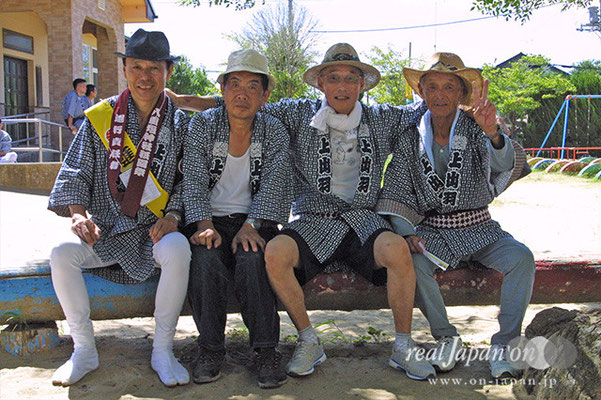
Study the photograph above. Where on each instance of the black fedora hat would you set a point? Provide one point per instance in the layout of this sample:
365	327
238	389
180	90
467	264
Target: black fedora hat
151	46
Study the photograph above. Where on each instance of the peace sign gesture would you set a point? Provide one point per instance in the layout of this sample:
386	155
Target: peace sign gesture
484	111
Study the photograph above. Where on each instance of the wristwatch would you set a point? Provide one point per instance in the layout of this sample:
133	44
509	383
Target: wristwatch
254	223
175	215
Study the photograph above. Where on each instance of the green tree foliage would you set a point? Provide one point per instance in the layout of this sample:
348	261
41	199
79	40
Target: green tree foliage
521	10
187	79
519	90
284	35
237	4
390	63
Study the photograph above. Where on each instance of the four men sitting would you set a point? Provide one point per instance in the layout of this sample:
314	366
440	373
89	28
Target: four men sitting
246	165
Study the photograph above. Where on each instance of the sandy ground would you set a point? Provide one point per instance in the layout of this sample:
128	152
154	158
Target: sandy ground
555	215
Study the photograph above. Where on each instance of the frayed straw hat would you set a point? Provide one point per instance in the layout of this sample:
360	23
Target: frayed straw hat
447	63
343	54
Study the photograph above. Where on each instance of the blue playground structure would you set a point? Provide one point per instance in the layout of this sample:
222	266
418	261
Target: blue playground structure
566	106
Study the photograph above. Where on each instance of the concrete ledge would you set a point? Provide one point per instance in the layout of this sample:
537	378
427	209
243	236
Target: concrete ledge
36	178
28	290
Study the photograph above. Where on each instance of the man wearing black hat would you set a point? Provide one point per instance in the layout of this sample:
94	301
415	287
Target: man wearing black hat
122	169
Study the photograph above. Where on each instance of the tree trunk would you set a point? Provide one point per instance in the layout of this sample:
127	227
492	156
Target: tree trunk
582	378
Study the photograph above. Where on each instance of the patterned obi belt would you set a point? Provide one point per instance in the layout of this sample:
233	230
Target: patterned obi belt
457	220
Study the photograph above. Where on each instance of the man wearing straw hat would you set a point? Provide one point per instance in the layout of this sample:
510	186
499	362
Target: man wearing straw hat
445	171
236	190
121	186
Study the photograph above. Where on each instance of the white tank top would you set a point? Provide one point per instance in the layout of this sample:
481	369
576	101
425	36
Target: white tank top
231	194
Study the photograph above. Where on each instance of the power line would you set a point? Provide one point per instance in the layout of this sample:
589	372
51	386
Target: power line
406	27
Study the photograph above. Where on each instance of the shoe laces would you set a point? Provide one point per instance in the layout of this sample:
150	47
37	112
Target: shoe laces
208	356
302	348
269	358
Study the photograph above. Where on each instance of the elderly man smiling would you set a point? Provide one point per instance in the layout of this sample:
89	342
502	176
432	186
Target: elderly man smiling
122	168
445	171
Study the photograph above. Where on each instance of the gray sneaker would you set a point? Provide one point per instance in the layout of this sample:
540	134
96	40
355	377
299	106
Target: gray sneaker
413	362
500	368
306	356
448	349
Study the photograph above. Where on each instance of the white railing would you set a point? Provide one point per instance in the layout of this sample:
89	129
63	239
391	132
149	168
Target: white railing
39	124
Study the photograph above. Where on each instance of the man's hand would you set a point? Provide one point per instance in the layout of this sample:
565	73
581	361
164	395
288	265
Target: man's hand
485	112
414	244
85	228
206	235
249	238
162	227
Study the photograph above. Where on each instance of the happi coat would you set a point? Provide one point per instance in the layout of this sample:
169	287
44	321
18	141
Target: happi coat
323	219
413	190
205	155
83	180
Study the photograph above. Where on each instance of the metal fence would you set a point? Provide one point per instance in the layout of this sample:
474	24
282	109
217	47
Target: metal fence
43	137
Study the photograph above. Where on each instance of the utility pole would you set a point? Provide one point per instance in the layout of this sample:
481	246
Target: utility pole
594	24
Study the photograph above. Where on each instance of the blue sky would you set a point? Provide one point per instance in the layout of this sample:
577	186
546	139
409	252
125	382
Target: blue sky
199	32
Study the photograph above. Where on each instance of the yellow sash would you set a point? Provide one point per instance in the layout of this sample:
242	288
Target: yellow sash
100	116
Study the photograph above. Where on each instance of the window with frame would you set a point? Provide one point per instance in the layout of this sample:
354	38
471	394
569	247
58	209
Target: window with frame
17	41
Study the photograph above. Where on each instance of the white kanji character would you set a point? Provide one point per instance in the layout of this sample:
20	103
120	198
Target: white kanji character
152	129
114	164
116	142
139	171
154	120
146	146
119	118
144	155
117	130
116	154
142	163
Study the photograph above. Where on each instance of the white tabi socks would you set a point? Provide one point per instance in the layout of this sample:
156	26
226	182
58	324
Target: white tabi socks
173	254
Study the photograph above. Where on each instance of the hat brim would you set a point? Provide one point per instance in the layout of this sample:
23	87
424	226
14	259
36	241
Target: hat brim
371	76
270	78
470	76
140	57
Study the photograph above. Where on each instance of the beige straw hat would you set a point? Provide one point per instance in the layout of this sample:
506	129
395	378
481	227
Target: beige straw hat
248	60
343	54
448	63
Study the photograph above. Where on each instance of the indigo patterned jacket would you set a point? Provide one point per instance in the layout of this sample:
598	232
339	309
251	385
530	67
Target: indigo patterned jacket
83	180
205	155
412	189
323	219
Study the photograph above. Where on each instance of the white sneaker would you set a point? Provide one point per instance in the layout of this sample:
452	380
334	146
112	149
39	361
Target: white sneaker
306	356
415	366
448	350
500	368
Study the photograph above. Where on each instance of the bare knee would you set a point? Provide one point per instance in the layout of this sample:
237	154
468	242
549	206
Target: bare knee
281	254
391	251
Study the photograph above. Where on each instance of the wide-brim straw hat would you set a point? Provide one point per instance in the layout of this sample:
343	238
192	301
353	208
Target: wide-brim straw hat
449	63
248	60
150	46
343	54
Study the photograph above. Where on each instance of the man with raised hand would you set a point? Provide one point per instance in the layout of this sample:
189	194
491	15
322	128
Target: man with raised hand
236	191
445	171
121	186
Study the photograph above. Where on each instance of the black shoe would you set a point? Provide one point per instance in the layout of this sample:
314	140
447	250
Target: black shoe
271	373
207	366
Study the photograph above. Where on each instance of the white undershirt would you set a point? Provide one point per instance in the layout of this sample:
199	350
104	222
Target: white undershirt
346	158
231	194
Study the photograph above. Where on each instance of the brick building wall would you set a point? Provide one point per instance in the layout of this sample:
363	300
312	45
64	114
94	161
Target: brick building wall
65	20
